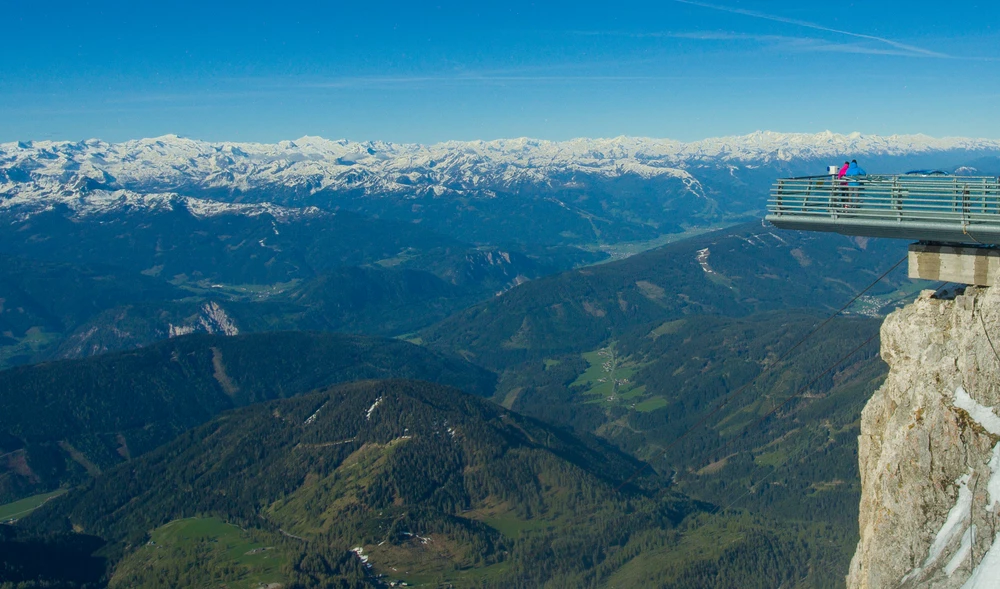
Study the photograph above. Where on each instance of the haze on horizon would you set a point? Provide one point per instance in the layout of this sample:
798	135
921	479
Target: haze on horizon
683	69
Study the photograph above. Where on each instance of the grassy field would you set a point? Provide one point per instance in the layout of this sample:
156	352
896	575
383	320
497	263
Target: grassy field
610	378
207	552
651	404
23	507
34	340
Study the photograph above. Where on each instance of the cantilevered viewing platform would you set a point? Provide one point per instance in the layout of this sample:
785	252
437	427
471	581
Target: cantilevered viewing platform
946	209
956	218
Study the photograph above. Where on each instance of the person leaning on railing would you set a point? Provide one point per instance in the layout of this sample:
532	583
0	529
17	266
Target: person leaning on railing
854	189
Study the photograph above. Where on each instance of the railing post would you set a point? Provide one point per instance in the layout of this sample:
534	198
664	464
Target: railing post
781	187
965	205
896	199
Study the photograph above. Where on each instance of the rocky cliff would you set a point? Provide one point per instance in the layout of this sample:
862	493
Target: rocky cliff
929	452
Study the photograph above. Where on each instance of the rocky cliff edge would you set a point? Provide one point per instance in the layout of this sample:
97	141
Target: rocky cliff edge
929	452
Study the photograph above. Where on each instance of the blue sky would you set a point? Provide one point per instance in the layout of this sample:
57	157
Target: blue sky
426	72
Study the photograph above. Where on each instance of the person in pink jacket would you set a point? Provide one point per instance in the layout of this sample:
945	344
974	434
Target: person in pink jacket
840	191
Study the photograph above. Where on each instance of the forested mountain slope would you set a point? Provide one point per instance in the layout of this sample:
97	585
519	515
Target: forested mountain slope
64	421
367	300
131	275
738	416
730	272
39	299
640	351
431	486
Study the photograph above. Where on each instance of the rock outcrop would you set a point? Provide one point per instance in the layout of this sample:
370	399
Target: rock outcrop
929	451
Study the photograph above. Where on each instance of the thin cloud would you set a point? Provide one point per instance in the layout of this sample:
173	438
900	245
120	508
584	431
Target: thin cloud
782	42
909	50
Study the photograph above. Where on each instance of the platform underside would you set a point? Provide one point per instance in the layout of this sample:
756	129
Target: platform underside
943	232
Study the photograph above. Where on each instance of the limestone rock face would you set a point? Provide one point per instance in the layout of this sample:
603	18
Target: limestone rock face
929	452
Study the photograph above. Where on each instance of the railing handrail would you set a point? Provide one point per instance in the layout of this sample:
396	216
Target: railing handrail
914	177
933	207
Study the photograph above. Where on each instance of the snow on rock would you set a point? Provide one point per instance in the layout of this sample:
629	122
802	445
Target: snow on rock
955	524
993	486
929	449
963	553
987	574
981	414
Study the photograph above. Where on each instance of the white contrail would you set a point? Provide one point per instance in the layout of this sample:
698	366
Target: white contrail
807	24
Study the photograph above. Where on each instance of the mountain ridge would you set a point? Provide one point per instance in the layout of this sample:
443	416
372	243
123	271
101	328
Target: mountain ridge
313	164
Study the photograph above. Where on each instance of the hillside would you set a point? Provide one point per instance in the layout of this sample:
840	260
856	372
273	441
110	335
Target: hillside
731	272
129	276
367	300
41	300
72	419
429	486
190	242
640	350
797	464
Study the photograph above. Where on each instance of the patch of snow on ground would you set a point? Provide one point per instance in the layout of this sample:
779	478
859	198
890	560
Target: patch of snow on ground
360	551
982	414
702	258
368	414
418	537
315	414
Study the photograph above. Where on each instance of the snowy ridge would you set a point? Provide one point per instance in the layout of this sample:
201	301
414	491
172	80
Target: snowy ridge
34	198
151	173
312	164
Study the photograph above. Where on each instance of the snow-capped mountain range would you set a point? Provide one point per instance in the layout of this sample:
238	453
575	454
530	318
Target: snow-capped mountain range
94	175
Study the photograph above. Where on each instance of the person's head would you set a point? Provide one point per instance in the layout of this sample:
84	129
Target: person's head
855	162
847	163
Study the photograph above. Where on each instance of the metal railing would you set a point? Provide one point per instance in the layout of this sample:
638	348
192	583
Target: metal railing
962	209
